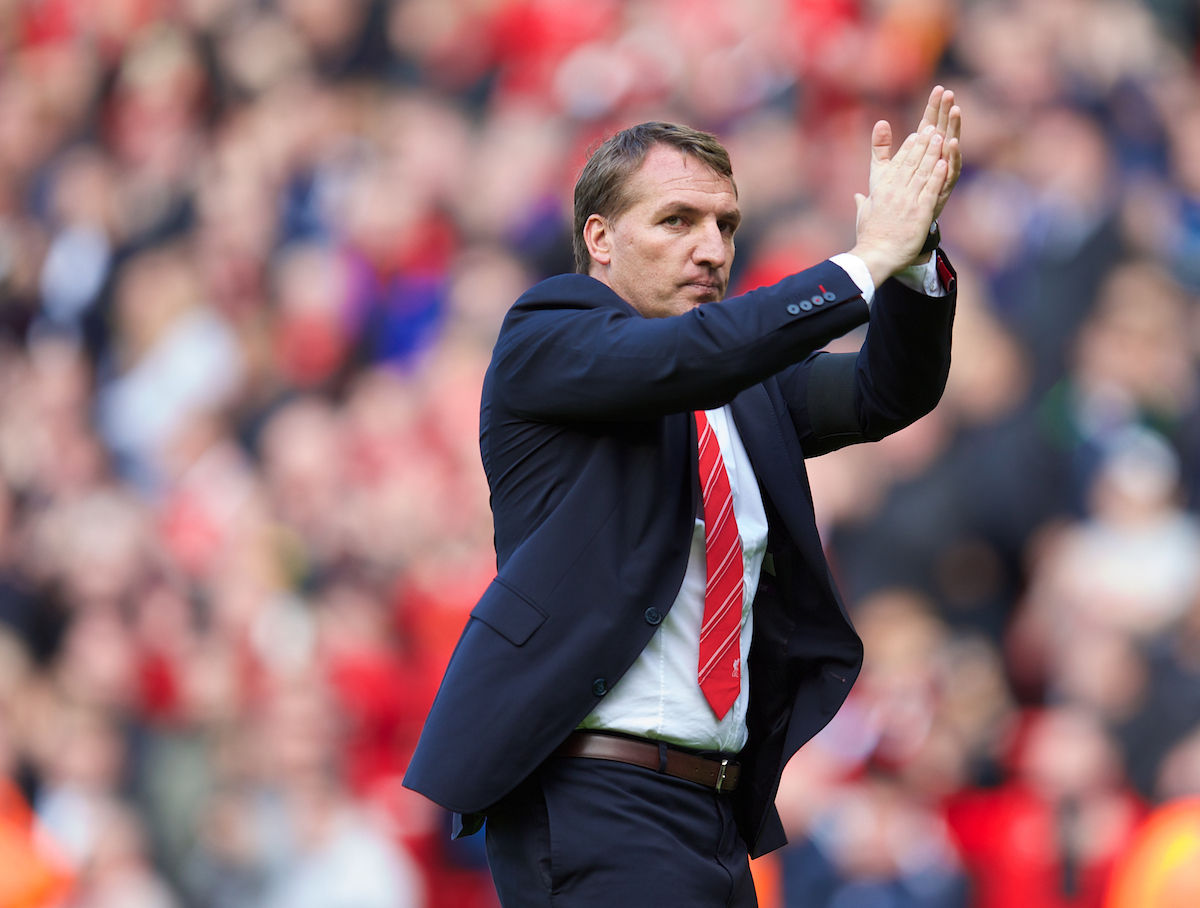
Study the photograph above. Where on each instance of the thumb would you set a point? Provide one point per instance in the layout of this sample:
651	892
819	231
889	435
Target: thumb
859	201
881	142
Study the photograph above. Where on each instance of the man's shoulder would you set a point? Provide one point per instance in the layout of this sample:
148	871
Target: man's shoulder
571	291
549	308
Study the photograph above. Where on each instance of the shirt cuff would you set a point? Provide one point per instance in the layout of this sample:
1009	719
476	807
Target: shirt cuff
922	278
858	272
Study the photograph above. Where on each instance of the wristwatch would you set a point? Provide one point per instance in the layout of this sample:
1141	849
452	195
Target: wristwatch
933	240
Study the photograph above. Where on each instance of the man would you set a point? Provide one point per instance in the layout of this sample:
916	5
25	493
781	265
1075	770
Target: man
663	633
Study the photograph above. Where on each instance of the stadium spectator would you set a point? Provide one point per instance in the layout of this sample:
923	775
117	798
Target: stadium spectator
253	256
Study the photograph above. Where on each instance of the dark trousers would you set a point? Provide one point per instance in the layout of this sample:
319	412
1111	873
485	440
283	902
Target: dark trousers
583	833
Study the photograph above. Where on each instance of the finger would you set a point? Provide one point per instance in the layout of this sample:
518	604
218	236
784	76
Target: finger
953	156
931	109
881	142
943	117
906	148
927	199
918	148
932	156
954	123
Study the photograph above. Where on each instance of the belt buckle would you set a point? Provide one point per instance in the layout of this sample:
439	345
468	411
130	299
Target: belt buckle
721	774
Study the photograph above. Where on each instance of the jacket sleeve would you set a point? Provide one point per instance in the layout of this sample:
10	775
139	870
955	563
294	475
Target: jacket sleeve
563	356
899	374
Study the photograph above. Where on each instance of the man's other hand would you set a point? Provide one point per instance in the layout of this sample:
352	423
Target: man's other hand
944	115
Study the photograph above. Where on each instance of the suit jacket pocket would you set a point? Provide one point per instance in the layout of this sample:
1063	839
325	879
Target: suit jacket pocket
508	612
834	689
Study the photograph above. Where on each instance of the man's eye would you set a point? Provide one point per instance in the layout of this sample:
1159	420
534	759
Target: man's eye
673	221
728	228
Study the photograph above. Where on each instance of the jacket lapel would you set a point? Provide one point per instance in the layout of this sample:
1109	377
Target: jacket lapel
778	463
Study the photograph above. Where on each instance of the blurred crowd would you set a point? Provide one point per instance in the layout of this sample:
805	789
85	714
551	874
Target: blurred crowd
253	256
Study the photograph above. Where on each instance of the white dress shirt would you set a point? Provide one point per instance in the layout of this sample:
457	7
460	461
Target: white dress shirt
660	697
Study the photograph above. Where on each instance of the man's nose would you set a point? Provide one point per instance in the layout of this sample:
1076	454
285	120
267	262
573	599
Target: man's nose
711	248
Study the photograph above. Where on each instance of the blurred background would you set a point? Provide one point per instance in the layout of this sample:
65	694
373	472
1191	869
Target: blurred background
253	257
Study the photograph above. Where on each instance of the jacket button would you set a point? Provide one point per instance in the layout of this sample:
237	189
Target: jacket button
653	616
599	687
805	305
793	309
830	295
818	300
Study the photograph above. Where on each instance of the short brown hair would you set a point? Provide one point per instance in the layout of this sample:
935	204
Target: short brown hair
601	187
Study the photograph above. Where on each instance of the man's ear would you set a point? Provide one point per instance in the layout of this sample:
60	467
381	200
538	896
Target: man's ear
598	236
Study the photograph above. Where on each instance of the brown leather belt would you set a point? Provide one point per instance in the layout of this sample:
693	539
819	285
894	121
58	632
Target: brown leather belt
721	775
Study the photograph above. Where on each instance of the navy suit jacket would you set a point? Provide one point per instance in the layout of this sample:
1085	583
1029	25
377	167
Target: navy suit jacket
589	443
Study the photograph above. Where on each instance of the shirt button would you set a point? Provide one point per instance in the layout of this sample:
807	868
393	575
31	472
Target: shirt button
599	687
805	305
793	309
653	616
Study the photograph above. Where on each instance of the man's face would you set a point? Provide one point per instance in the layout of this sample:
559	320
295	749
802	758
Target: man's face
672	248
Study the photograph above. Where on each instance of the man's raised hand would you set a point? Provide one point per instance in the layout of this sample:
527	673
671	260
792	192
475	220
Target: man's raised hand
894	219
909	189
941	113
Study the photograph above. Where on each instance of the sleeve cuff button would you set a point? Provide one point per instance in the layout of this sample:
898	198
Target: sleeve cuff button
793	309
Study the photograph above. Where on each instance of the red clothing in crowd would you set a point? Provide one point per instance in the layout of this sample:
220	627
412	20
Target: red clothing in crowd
1024	851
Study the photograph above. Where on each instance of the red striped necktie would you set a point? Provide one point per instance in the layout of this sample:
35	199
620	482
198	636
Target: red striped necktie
720	668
